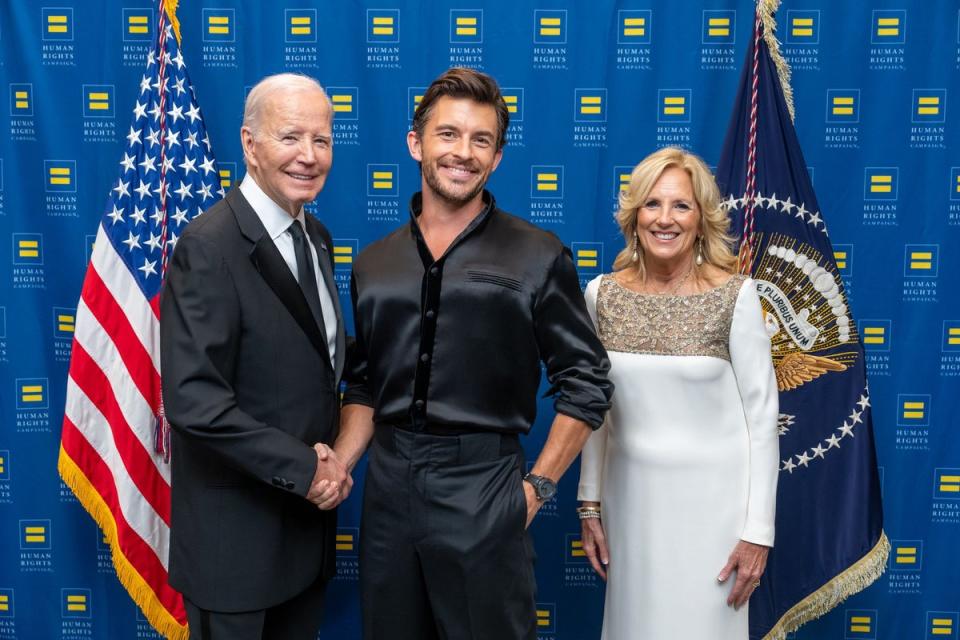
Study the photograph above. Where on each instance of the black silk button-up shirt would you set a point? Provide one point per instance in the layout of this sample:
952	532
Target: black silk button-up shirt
457	342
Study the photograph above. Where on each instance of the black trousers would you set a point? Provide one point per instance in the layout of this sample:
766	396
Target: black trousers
296	619
444	551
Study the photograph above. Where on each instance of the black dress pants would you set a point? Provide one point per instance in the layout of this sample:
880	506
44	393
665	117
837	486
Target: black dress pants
444	551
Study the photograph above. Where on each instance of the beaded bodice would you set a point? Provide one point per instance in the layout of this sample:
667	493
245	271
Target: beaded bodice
691	325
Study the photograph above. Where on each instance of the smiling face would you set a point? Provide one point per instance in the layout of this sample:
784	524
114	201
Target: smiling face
457	151
290	153
668	221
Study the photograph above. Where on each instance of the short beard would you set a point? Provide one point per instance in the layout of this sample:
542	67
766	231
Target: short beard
430	175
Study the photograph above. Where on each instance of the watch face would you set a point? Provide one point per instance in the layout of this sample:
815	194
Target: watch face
548	489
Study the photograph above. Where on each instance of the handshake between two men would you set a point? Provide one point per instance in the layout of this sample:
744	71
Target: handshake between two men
331	482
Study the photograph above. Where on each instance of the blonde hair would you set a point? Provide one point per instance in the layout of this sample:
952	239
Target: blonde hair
714	223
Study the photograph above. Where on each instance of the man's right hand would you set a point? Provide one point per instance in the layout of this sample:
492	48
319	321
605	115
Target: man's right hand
331	481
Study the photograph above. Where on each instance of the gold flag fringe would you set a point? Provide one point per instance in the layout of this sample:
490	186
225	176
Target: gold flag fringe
170	7
767	9
130	578
851	581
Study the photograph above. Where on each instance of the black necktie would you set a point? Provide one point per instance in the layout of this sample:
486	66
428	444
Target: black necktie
306	274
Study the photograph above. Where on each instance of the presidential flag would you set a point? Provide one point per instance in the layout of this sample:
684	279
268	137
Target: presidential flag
113	450
830	542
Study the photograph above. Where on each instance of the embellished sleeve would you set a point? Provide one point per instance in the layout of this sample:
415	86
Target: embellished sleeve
753	368
594	451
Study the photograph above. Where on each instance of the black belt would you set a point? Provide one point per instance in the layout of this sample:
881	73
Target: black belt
471	443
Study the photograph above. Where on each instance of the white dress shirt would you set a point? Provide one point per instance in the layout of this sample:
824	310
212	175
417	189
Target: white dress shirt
277	222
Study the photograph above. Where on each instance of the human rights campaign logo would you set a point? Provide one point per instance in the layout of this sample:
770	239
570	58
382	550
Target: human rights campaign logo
634	26
32	393
76	603
550	27
913	410
843	257
98	100
860	624
588	257
414	97
888	26
942	625
546	181
60	176
906	555
383	26
137	25
955	183
28	249
347	543
546	615
382	180
803	27
951	335
57	23
300	26
843	106
513	97
6	603
4	465
64	323
674	105
719	27
876	334
946	484
921	260
345	251
346	102
466	26
575	553
219	25
621	180
21	99
881	183
590	105
228	174
35	535
929	106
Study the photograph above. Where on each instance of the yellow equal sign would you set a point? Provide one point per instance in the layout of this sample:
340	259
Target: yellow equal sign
841	258
860	624
550	26
98	100
383	179
21	99
56	24
914	410
624	182
949	484
842	105
344	542
874	335
587	257
226	178
4	602
591	105
60	175
802	27
416	101
137	24
383	25
888	26
343	255
906	555
548	181
881	184
218	25
928	105
301	25
941	626
543	618
718	27
957	186
576	549
512	102
66	322
342	102
674	105
28	248
76	602
3	465
953	335
922	260
466	26
35	534
636	27
31	393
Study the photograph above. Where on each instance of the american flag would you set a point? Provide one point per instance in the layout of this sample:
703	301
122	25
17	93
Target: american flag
113	451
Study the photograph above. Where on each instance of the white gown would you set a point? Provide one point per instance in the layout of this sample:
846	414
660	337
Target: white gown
686	463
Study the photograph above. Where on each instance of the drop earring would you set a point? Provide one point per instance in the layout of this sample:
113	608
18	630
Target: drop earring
699	257
636	255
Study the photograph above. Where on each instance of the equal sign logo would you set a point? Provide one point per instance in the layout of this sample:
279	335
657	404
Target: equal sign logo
674	105
546	182
951	335
32	394
382	180
861	624
921	260
21	99
346	102
57	23
98	100
843	106
621	180
4	465
228	174
843	255
804	27
719	27
946	484
35	535
590	105
346	543
344	252
414	98
383	25
28	249
550	27
513	97
588	257
300	26
466	26
76	603
546	617
6	603
914	410
876	334
889	27
137	25
634	27
907	555
881	183
929	106
955	183
219	25
942	625
64	323
60	175
575	552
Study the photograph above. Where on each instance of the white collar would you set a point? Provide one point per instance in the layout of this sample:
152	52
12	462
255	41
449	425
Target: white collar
274	219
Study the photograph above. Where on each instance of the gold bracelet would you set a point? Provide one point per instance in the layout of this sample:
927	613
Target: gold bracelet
588	509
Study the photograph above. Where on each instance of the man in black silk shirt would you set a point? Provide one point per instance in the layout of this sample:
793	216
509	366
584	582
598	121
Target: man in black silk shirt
454	313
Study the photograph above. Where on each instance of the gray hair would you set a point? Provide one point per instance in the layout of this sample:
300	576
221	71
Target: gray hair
253	107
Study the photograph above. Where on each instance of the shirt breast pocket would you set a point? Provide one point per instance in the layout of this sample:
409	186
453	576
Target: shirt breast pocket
494	278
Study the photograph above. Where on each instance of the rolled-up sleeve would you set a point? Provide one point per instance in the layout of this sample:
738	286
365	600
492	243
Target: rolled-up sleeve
576	362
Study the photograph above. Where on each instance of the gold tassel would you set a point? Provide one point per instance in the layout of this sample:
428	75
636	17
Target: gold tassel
170	7
767	9
130	578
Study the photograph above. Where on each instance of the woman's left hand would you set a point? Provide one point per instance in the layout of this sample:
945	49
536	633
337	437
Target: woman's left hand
748	560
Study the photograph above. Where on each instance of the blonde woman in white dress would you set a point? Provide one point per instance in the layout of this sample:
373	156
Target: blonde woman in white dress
678	487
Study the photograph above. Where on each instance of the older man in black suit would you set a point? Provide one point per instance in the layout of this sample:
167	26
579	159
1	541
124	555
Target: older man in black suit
252	351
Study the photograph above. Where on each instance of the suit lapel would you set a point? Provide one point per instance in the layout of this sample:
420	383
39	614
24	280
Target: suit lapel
323	257
270	265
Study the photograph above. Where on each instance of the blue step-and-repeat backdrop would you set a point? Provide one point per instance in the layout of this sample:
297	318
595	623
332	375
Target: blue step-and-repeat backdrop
592	88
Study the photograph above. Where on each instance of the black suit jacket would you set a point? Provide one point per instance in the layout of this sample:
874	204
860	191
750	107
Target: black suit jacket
248	388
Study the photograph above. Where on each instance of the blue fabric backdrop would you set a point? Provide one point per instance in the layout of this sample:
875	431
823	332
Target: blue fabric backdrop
872	83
